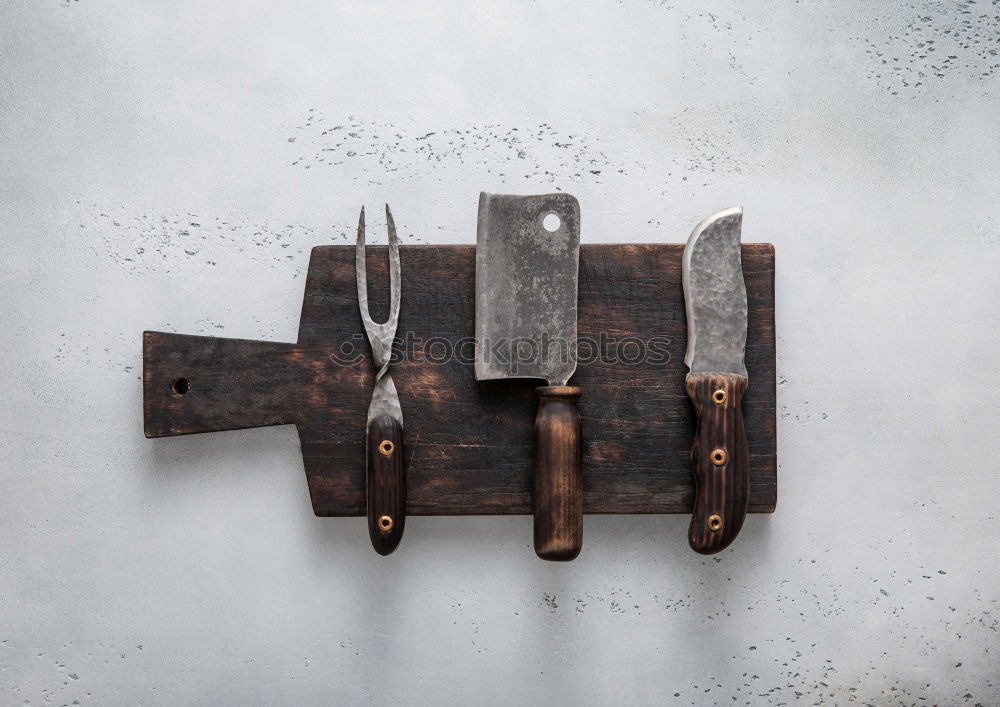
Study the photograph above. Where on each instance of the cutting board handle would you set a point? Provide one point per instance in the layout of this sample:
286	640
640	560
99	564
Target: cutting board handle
558	478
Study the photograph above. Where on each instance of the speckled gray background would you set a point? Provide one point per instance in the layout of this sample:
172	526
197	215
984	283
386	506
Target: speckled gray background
169	165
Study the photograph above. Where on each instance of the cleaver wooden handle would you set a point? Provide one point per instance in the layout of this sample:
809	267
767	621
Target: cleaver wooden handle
386	484
558	478
720	460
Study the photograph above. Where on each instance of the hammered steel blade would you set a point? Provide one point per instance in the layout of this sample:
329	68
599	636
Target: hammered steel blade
526	287
715	295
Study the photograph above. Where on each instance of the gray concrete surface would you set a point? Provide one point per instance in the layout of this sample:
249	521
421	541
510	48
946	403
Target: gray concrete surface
169	165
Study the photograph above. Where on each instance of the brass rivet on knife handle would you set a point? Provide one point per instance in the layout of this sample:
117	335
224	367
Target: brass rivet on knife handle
718	457
715	522
558	497
386	448
385	524
719	396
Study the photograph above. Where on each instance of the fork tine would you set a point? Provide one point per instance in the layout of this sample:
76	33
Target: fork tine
394	274
391	225
359	270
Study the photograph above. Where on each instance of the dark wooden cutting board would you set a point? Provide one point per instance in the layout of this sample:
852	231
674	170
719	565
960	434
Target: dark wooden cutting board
469	445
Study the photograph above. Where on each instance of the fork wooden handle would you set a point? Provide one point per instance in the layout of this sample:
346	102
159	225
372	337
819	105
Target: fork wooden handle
558	479
386	484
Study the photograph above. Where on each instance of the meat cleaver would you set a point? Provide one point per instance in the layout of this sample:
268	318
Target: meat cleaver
715	298
527	263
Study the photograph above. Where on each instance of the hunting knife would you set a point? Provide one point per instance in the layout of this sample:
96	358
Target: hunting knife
715	299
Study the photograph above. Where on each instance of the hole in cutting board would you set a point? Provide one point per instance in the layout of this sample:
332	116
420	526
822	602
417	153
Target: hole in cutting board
179	386
551	223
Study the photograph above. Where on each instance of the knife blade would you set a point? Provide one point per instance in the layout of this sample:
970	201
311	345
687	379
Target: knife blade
716	303
527	265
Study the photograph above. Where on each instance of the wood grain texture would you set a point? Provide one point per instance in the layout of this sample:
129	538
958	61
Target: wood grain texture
719	459
470	444
386	484
558	494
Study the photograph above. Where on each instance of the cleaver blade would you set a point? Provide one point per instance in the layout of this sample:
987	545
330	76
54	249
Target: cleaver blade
526	286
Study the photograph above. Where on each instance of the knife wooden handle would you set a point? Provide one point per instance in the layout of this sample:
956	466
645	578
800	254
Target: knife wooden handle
558	478
720	460
386	484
